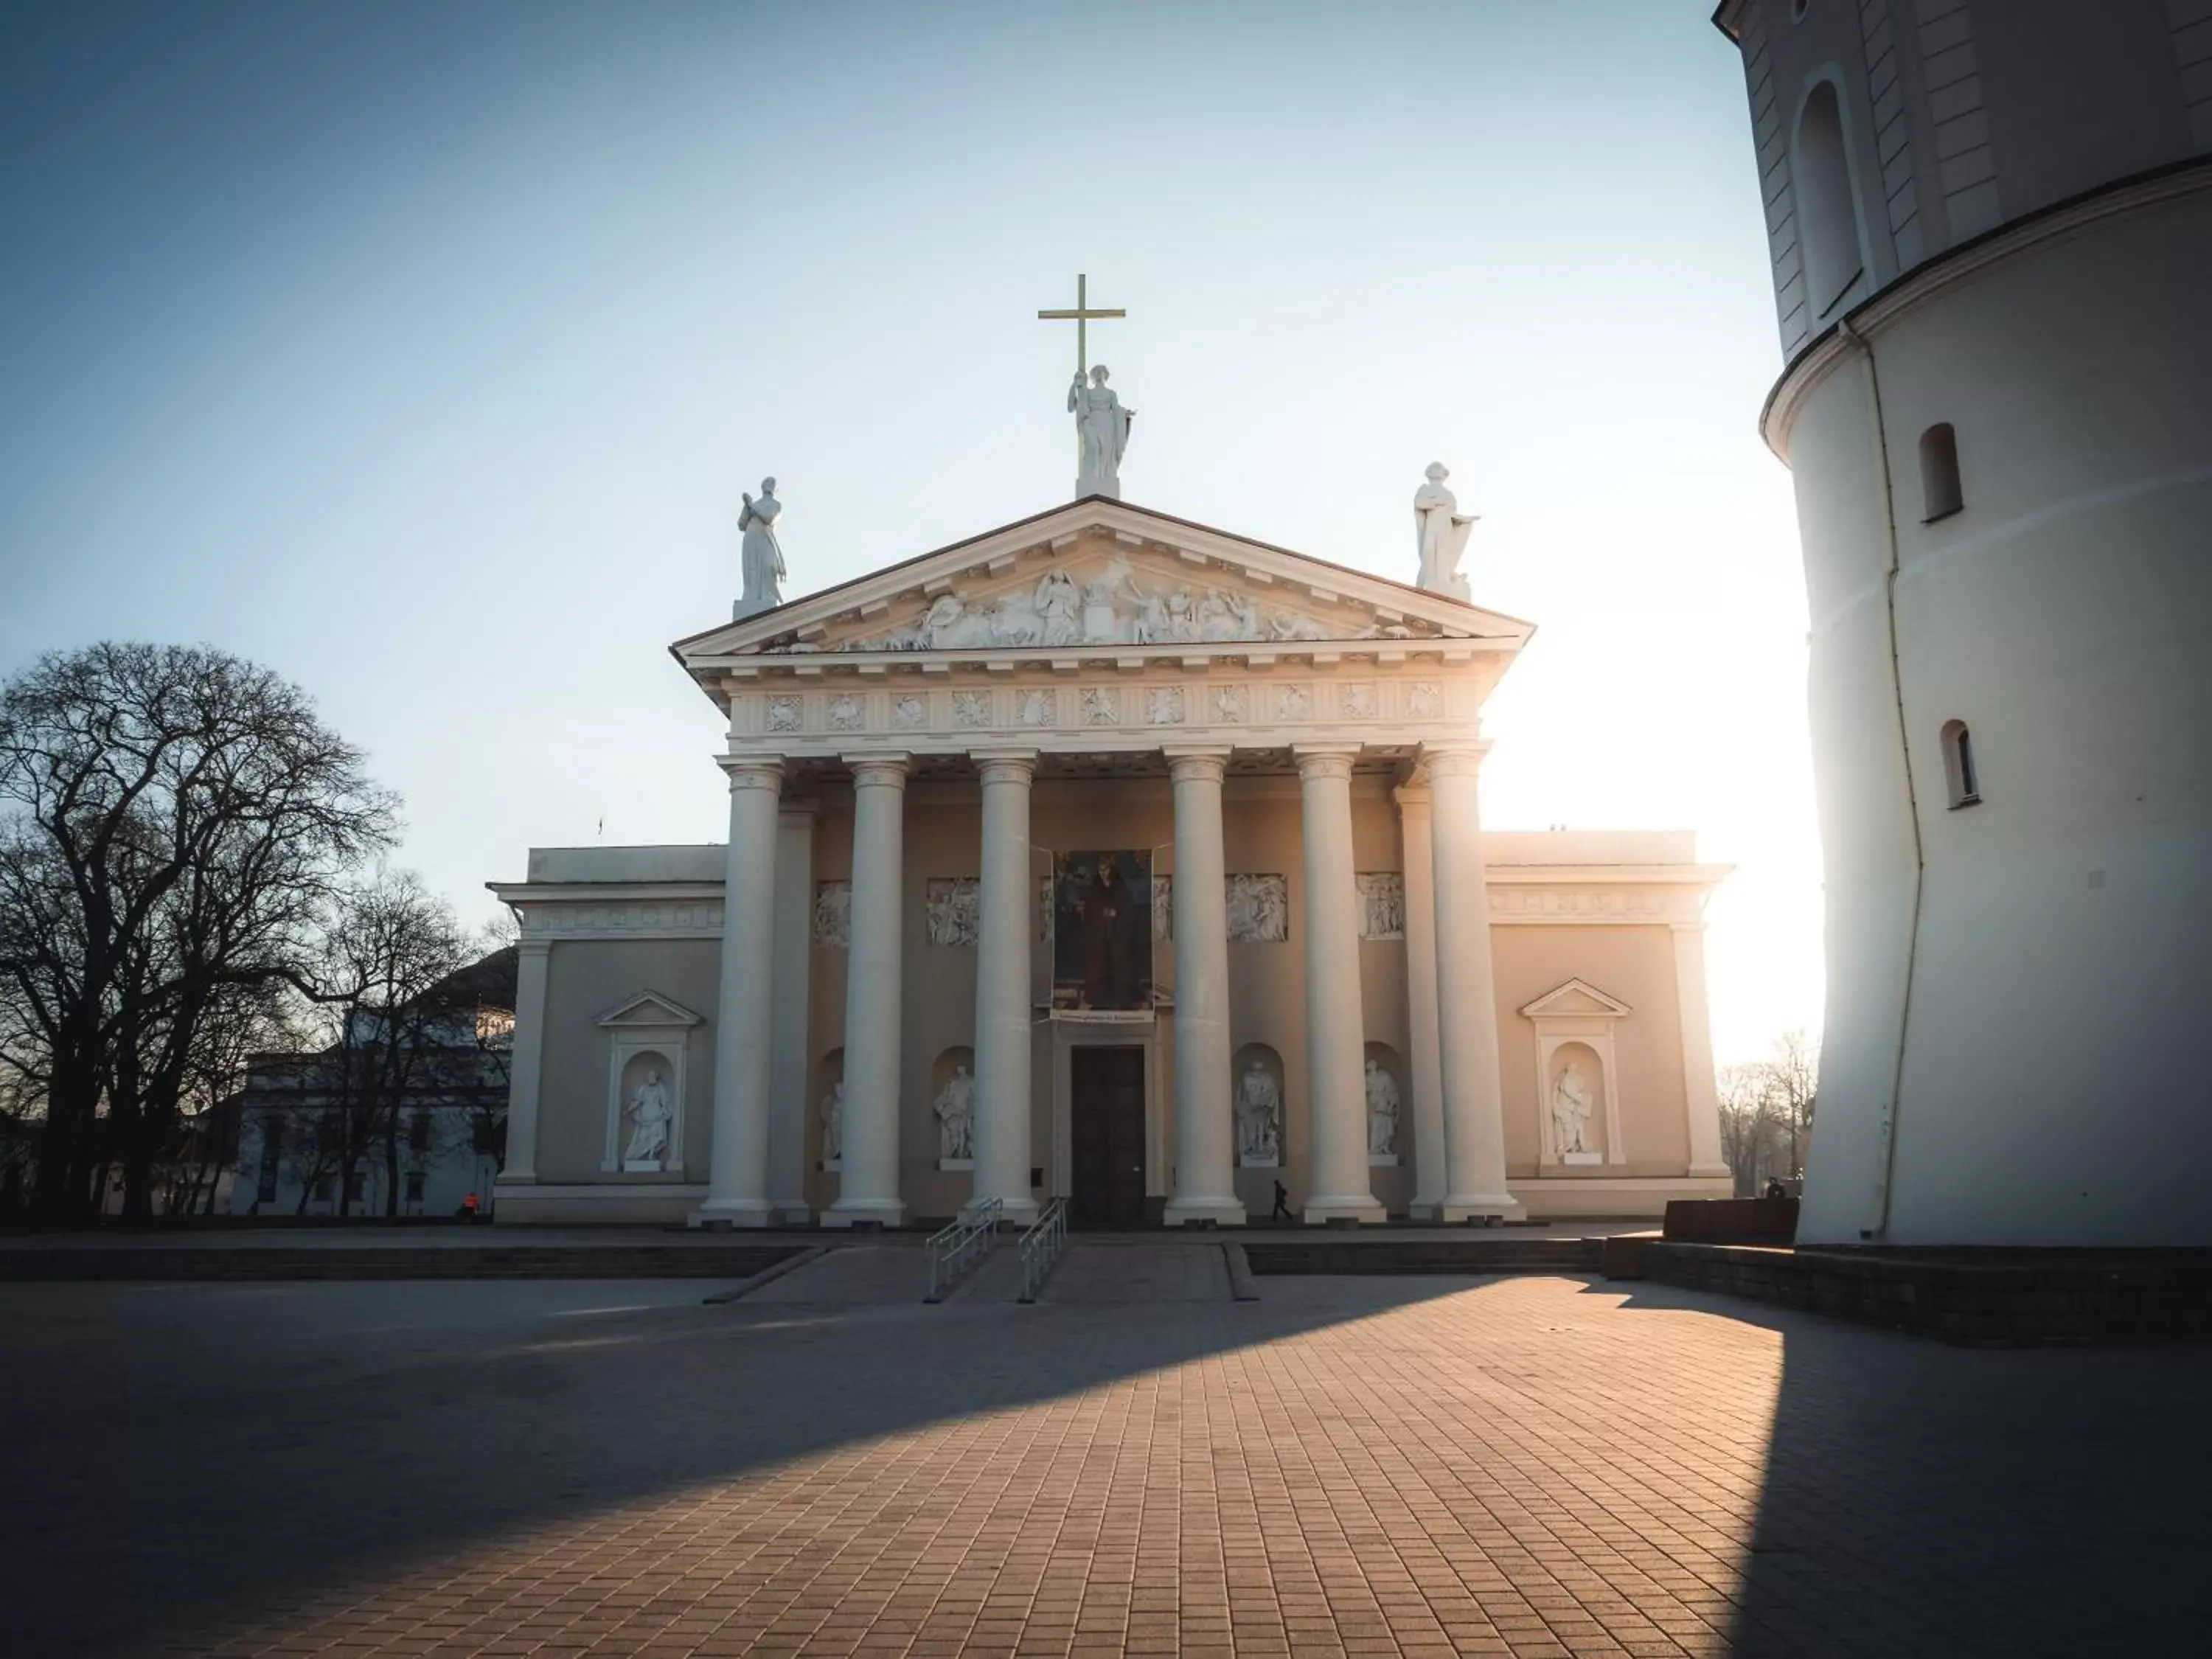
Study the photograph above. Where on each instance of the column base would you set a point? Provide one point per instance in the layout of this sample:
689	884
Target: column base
1712	1171
1203	1213
1358	1206
1503	1208
864	1212
793	1213
1023	1212
734	1212
1420	1211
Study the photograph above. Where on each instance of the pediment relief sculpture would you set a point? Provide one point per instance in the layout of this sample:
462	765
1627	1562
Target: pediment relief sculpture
1113	604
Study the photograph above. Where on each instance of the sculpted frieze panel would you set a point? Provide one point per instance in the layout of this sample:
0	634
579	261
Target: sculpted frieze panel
1259	909
1381	904
951	905
833	914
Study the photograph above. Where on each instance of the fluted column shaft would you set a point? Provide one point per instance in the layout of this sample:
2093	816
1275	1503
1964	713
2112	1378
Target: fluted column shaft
868	1189
789	1072
1205	1167
1467	999
525	1063
737	1168
1004	911
1700	1093
1416	845
1335	1019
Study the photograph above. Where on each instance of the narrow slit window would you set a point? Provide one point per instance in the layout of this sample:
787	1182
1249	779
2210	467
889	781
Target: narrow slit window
1959	772
1939	473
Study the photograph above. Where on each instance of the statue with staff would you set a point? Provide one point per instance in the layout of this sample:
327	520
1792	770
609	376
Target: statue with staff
1102	422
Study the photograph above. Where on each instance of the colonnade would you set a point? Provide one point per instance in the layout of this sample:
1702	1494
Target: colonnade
1455	1064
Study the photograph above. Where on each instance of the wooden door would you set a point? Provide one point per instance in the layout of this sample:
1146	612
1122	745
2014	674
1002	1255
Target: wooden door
1106	1108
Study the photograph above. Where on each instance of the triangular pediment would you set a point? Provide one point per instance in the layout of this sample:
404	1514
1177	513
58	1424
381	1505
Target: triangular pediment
650	1008
1093	577
1576	997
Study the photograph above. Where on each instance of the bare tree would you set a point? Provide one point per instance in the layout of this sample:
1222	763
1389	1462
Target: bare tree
388	984
1766	1108
1794	1069
170	819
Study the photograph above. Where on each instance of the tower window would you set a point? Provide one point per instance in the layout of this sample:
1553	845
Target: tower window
1939	474
1827	212
1959	774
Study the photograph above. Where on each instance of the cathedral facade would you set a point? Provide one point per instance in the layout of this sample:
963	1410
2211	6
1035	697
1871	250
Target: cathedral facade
1111	857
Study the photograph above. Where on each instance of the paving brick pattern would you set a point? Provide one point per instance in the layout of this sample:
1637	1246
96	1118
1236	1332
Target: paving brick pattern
1531	1467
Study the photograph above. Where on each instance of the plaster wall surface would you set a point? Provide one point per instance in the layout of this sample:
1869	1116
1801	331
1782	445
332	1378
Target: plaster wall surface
2050	1088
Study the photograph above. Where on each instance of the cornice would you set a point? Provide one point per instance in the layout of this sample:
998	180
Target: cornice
1926	282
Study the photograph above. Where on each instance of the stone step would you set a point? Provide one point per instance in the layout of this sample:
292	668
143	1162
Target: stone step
1474	1254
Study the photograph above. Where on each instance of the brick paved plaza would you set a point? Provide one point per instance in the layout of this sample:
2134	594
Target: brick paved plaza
1526	1466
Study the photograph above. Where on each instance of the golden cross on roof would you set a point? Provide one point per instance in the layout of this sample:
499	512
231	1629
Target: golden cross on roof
1081	317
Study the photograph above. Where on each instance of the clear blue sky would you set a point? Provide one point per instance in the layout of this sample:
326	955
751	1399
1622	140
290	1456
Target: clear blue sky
421	351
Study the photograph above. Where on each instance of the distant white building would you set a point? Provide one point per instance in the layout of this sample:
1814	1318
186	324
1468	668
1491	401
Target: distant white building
1991	230
311	1133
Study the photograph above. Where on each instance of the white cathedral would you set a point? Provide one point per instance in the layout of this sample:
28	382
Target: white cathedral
1111	857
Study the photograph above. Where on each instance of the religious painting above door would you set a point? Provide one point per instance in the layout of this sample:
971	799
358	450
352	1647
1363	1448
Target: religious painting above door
1102	953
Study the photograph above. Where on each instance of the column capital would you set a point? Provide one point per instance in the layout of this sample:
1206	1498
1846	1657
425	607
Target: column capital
1004	765
1453	759
1195	763
534	947
753	772
1325	760
880	771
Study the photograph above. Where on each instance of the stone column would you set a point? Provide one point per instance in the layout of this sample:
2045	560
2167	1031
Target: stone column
1699	1094
1336	1024
1426	1060
788	1068
1205	1128
1006	909
1467	997
526	1063
868	1190
737	1165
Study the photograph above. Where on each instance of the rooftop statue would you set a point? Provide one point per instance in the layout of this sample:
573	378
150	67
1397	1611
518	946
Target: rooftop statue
1442	531
760	556
1102	424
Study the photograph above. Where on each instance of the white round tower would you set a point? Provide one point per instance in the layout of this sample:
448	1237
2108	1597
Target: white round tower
1991	234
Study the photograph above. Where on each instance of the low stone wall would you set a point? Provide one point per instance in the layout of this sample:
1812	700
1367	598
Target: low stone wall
1995	1298
1732	1220
156	1261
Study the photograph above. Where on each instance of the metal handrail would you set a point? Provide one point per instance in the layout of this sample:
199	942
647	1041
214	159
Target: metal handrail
1041	1246
953	1249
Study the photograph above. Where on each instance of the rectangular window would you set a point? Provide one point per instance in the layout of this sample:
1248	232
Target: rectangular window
418	1132
414	1186
272	1158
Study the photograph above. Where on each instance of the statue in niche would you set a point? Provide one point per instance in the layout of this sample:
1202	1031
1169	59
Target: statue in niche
833	1123
1571	1105
760	556
1258	1115
651	1113
1102	424
955	1107
1441	531
1382	1110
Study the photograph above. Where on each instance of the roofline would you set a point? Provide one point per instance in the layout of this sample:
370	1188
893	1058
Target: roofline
1727	18
676	649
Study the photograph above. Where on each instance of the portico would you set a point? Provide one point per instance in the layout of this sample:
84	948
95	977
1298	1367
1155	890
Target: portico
1100	780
